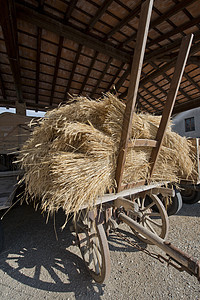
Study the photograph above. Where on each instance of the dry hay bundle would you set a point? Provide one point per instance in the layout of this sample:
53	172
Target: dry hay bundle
70	159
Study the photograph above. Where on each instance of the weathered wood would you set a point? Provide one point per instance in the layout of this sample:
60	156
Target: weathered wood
101	76
133	87
47	22
38	65
60	45
180	28
193	103
99	13
89	71
72	71
142	143
8	23
172	11
2	87
175	83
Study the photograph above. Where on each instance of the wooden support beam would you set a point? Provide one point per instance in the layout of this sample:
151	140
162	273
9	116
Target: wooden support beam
39	35
192	81
89	71
101	77
138	57
193	103
179	29
99	13
172	11
8	23
175	83
2	87
123	78
69	10
115	77
72	71
127	19
60	45
49	23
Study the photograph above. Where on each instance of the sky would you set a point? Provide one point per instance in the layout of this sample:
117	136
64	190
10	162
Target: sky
29	113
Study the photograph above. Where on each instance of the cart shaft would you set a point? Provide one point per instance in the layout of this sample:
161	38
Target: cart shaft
186	262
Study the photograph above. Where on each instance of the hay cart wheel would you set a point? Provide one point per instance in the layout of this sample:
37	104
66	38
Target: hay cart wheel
93	245
152	215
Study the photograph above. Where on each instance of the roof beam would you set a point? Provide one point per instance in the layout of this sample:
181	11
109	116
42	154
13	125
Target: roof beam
38	64
179	29
193	103
60	45
48	22
115	76
127	19
73	70
8	23
2	87
172	11
70	8
89	71
101	77
99	13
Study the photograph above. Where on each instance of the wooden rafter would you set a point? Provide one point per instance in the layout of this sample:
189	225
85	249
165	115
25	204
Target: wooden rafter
172	11
2	87
193	103
192	81
179	29
175	83
127	19
70	9
47	22
101	77
72	71
99	13
89	71
38	64
123	78
138	57
60	45
115	77
8	23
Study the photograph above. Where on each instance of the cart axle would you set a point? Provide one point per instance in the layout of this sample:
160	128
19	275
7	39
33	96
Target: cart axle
185	262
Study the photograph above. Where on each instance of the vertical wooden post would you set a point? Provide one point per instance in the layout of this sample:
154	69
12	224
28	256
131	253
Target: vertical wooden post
138	57
173	90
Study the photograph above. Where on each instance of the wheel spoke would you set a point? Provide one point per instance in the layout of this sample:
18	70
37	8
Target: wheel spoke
147	207
153	221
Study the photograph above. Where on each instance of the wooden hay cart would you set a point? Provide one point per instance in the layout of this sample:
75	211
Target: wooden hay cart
138	205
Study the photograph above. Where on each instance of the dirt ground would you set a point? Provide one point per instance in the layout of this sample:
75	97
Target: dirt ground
34	265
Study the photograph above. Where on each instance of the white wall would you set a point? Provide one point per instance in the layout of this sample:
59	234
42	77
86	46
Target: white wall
179	123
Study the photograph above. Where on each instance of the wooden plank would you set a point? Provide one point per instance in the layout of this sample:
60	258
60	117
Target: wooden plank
60	45
172	11
142	143
8	23
72	71
133	87
39	34
193	103
179	29
89	71
101	77
99	13
48	22
173	90
2	87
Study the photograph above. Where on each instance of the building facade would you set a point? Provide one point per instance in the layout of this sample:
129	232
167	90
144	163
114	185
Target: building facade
187	123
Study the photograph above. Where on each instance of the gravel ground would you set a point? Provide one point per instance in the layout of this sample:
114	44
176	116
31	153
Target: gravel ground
33	265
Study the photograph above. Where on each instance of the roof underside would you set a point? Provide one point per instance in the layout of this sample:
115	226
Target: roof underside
52	48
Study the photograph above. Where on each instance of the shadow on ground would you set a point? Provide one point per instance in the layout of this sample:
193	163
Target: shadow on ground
34	257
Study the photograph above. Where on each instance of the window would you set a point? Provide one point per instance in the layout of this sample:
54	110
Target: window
189	124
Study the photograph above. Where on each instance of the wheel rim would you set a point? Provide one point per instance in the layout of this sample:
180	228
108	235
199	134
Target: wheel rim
94	247
155	221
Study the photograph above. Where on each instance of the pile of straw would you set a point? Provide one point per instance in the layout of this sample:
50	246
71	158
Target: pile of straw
71	156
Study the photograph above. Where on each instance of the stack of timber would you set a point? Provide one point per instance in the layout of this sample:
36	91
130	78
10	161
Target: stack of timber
71	156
